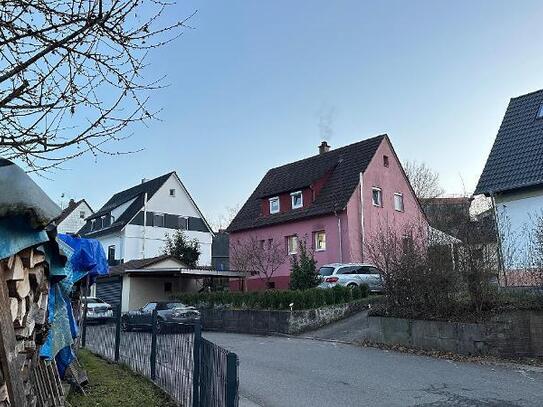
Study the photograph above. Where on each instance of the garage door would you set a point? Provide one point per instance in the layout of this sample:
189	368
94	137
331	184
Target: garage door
109	290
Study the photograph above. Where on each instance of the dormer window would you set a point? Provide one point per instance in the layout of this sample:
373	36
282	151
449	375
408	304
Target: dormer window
274	205
297	199
540	112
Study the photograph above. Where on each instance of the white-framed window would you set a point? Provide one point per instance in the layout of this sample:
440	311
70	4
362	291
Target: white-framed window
292	244
111	252
540	112
297	199
158	220
93	224
398	201
172	192
377	196
275	207
320	241
81	214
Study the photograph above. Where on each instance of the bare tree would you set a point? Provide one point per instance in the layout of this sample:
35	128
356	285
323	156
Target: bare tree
424	180
257	257
71	74
223	220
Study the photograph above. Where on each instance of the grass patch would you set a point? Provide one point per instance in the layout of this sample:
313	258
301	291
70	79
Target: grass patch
112	385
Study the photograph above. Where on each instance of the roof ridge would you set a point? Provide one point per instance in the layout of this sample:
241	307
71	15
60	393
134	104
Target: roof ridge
143	183
334	151
527	94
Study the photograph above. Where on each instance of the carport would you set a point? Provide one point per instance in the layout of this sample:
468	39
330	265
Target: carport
137	282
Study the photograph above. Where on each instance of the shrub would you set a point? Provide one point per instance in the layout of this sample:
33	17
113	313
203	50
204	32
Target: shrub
303	274
275	299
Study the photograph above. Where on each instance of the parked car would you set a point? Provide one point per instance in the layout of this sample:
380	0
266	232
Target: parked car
97	309
168	314
351	275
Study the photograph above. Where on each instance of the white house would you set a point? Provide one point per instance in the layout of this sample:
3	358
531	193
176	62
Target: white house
513	178
134	223
72	218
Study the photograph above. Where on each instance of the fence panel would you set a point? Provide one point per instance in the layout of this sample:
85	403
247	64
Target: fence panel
215	376
175	352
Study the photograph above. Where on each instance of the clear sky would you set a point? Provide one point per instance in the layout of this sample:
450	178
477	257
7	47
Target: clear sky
250	84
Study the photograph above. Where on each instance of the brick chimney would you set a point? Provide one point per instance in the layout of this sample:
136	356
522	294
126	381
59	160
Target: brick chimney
324	147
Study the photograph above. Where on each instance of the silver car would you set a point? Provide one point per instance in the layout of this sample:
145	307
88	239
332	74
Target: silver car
351	275
97	309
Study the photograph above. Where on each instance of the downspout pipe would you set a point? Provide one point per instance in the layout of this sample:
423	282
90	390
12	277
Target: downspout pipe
501	265
144	225
340	237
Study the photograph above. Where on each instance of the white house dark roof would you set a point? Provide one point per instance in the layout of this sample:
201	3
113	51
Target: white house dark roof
516	158
343	165
150	187
72	205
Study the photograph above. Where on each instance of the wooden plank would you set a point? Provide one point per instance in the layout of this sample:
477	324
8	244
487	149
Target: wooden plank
8	357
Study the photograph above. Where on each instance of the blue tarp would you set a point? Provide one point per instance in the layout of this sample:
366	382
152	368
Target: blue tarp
16	234
84	257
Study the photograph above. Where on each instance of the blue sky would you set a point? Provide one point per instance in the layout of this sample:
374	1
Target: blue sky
253	79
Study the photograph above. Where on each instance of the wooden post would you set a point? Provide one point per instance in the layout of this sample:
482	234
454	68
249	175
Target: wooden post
8	354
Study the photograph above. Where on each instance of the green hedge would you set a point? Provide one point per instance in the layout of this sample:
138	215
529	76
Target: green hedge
275	299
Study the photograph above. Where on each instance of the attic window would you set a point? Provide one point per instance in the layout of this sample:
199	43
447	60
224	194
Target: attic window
385	161
172	192
274	205
81	214
297	199
540	112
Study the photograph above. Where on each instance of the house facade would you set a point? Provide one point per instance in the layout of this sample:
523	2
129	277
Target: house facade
513	178
134	223
73	217
335	201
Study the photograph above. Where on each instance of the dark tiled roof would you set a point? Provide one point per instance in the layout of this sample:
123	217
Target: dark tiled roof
137	264
150	187
72	205
344	165
516	158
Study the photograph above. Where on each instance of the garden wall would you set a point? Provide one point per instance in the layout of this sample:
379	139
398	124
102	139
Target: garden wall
511	334
266	322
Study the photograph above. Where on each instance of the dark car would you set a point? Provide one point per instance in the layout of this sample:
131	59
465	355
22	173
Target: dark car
169	314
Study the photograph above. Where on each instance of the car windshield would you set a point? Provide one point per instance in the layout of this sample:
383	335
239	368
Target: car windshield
326	271
172	305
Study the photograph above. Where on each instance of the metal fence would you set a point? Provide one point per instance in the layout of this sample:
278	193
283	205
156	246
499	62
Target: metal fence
192	370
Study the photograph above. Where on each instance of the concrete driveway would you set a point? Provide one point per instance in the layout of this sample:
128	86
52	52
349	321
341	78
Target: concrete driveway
280	371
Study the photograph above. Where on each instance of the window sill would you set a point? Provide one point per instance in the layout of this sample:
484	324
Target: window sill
377	206
320	250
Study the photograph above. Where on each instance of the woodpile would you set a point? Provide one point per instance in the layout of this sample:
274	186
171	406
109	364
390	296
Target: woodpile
23	305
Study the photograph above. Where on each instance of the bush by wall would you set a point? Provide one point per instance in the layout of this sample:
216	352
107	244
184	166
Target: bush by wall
275	300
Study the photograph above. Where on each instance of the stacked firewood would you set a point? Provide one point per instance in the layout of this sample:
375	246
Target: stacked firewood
26	277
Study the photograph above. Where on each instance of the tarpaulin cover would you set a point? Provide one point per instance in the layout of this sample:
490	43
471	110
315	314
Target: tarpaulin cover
16	234
88	257
84	257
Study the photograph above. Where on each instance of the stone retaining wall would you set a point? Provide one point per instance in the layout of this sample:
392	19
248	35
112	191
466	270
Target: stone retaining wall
517	333
274	322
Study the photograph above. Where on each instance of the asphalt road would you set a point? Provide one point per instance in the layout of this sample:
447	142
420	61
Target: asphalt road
280	371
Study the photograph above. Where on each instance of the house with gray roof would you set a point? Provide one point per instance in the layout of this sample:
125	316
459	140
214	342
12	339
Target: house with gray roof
513	176
133	224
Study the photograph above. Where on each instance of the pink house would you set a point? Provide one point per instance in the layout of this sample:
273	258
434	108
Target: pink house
335	201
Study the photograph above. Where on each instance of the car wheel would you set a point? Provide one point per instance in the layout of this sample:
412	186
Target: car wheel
352	285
